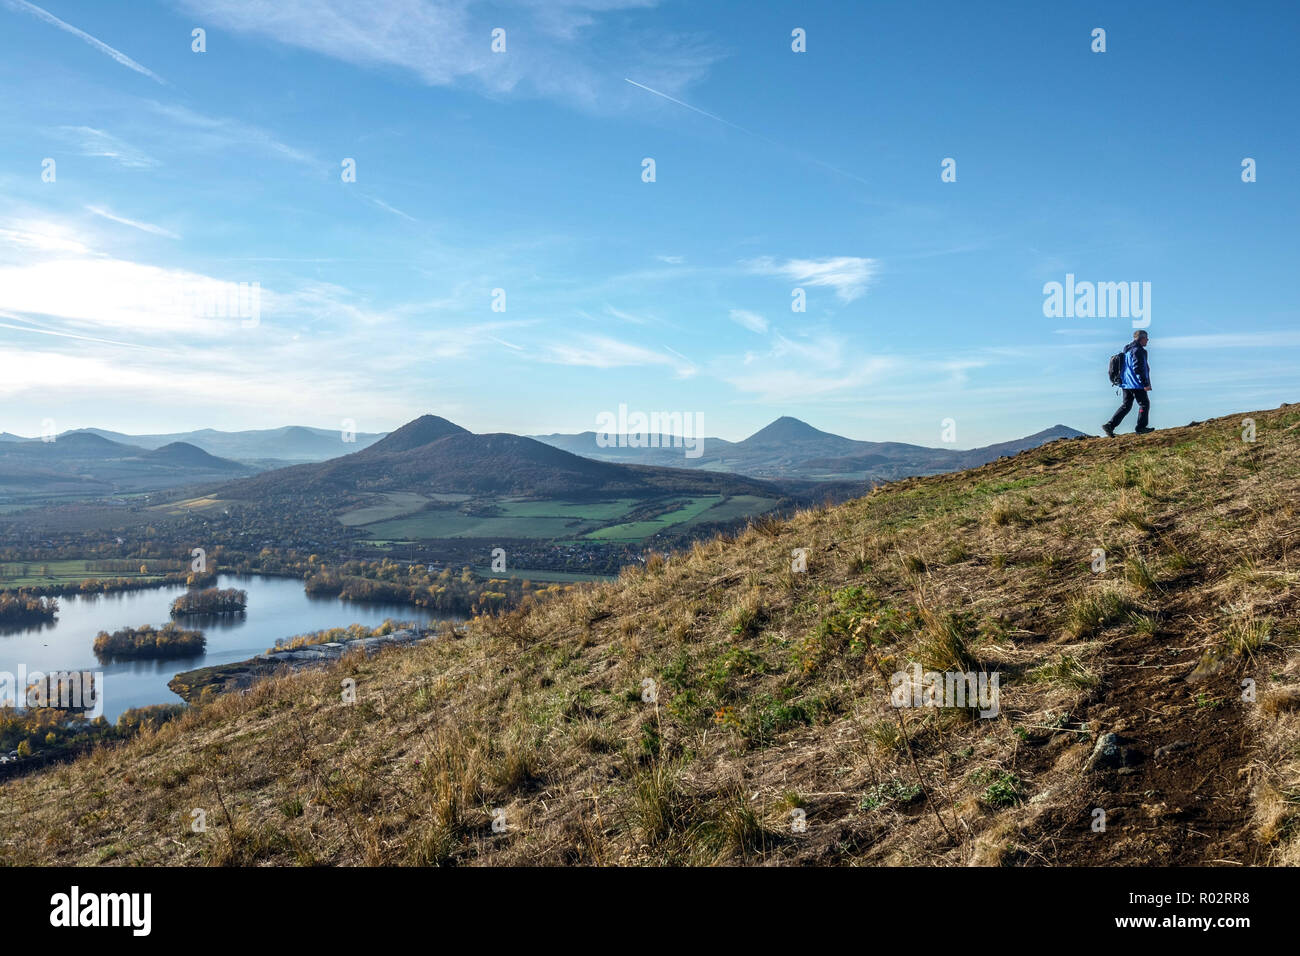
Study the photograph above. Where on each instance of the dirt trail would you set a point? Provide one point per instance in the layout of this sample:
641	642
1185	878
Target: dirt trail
1178	794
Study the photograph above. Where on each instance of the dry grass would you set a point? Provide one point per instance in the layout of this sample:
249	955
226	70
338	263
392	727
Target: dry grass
770	688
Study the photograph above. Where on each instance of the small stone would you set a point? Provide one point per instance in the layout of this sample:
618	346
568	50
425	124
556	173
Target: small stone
1106	753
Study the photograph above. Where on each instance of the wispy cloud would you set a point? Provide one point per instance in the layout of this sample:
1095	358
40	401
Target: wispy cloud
748	132
393	209
849	276
750	320
817	368
212	133
957	369
627	317
549	48
86	329
27	325
599	351
133	223
89	141
100	45
23	238
48	272
108	293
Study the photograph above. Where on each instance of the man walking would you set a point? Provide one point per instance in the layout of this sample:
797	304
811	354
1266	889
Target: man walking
1136	382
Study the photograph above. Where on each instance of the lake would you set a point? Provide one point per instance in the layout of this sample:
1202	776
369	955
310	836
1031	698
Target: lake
277	607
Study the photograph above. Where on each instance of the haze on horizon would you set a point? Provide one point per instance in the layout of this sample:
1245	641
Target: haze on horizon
515	179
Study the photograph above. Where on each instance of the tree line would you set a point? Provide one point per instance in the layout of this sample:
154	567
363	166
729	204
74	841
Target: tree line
23	607
210	601
395	582
170	640
47	732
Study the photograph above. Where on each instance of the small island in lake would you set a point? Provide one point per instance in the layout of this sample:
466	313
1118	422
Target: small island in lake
148	642
19	607
210	601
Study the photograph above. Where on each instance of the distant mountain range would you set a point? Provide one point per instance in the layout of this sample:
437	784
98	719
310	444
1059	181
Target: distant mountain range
789	448
84	464
431	455
267	447
786	448
788	458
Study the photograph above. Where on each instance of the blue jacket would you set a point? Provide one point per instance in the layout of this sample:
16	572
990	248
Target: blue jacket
1137	373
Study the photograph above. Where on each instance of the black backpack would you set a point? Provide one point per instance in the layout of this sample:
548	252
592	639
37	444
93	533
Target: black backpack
1116	369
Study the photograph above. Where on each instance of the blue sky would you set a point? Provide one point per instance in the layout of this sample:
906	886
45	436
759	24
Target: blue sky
522	171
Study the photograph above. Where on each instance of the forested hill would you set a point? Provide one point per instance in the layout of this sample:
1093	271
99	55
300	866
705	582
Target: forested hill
433	455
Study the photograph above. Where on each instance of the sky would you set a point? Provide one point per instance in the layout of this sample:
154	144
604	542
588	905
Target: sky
421	223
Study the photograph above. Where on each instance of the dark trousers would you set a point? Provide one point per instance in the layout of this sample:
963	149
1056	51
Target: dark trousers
1144	407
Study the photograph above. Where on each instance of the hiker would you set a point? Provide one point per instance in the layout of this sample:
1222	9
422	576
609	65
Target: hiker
1134	376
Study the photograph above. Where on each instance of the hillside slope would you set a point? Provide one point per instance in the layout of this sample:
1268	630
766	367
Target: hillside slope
185	455
769	737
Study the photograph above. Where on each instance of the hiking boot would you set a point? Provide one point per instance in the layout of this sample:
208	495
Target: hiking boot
1143	431
1109	429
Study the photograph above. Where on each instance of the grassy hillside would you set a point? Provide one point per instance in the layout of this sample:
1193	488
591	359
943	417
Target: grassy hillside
773	696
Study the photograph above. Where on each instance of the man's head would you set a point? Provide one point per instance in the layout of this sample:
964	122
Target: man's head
1140	337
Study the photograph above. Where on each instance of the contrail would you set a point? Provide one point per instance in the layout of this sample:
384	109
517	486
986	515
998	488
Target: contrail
695	108
682	357
748	132
70	335
133	223
99	45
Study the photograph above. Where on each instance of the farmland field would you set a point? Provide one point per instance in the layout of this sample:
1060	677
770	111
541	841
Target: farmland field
453	524
590	510
518	519
189	504
739	506
557	520
385	507
688	509
74	570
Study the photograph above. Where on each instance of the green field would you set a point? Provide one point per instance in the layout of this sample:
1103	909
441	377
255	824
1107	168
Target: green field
636	530
739	506
71	570
453	524
518	519
552	520
588	510
392	505
383	508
